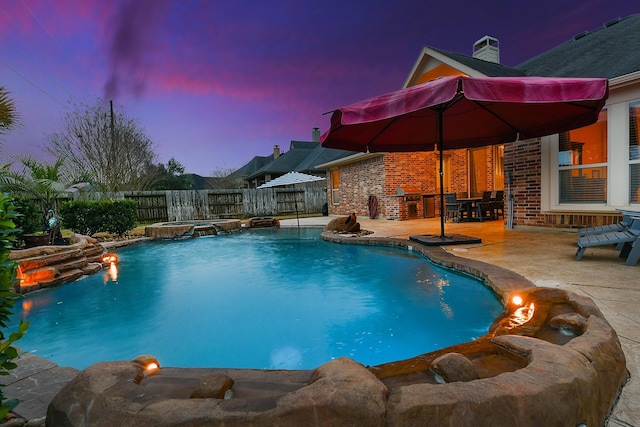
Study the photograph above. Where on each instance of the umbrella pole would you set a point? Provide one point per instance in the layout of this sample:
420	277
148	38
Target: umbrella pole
440	137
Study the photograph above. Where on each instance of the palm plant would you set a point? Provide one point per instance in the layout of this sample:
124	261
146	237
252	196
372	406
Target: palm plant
43	182
9	117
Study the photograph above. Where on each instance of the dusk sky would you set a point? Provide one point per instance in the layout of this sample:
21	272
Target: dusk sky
215	83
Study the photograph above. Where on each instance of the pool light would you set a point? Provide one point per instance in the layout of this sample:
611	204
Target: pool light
110	259
521	311
149	364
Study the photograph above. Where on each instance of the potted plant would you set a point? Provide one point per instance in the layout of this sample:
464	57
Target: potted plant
39	238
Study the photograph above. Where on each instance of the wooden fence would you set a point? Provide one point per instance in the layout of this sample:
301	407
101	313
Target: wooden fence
182	205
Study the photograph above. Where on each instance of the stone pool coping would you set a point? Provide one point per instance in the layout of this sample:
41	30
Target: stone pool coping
546	384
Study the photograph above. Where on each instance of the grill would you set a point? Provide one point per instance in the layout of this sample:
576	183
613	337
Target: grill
408	204
409	194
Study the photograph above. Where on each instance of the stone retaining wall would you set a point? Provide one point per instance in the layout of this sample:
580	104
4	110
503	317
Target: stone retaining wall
45	266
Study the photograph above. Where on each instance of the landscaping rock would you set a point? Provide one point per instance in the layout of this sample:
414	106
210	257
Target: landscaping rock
454	367
213	386
347	224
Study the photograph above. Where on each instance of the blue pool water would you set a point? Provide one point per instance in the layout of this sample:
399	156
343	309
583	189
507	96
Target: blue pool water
266	298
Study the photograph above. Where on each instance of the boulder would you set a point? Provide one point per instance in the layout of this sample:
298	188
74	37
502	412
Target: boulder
454	367
348	224
212	386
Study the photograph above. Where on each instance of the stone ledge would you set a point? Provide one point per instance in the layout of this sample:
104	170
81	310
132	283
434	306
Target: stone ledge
47	266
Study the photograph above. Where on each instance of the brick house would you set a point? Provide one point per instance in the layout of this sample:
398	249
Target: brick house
570	180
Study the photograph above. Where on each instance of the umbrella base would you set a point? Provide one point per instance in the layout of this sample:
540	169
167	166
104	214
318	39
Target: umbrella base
450	239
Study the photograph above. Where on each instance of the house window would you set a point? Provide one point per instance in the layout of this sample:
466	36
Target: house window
335	187
582	163
634	152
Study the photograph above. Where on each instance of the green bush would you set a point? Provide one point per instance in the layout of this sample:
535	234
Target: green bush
109	216
28	220
8	298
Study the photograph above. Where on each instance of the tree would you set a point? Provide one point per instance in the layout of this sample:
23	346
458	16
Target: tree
9	117
112	148
170	176
226	178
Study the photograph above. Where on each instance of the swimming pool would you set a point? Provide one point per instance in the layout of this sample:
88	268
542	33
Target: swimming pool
264	298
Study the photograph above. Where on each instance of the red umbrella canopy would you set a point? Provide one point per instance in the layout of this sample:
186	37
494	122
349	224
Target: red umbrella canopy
464	112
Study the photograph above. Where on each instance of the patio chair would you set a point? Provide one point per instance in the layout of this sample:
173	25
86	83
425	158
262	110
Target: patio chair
596	229
497	204
483	209
453	209
627	242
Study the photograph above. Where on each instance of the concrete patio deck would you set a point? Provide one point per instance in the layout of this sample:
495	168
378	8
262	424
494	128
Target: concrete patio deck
544	256
547	258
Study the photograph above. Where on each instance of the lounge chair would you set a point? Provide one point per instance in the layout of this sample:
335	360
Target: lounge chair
627	241
597	229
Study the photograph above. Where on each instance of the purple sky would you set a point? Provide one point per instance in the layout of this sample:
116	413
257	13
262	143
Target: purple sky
214	83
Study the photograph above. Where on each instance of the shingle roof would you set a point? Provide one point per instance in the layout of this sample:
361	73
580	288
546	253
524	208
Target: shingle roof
253	165
285	163
320	155
302	156
609	51
488	68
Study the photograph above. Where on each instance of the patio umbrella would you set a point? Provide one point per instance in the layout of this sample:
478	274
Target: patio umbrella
465	112
291	178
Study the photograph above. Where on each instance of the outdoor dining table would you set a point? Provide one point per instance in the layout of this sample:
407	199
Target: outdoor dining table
468	204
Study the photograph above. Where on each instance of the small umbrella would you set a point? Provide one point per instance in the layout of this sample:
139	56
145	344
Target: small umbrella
291	178
465	112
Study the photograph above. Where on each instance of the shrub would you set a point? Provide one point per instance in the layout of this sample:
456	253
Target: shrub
90	217
8	298
28	220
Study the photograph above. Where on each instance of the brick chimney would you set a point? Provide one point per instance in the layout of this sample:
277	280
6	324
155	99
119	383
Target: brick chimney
276	151
315	135
487	49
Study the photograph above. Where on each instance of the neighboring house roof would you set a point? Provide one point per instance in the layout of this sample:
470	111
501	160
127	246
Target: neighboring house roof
320	155
609	51
199	182
303	156
257	163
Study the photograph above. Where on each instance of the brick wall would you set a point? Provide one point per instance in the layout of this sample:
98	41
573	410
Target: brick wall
523	159
381	177
357	182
